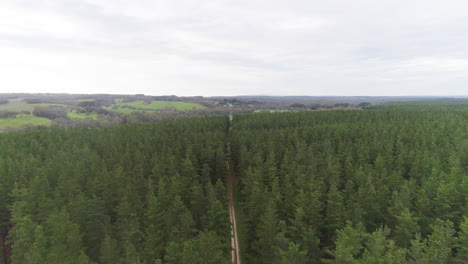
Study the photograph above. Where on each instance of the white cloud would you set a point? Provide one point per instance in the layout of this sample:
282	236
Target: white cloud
26	22
184	47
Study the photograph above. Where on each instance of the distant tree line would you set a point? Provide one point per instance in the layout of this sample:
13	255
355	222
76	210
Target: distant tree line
12	114
50	112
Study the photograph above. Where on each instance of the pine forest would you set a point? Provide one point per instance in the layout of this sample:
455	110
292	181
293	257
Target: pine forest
384	184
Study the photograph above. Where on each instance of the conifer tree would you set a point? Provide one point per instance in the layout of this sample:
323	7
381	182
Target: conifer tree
64	240
348	245
437	247
39	250
109	253
334	215
293	255
462	256
23	233
266	232
218	221
305	236
405	228
380	249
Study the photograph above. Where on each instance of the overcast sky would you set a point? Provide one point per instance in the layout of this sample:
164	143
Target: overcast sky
221	47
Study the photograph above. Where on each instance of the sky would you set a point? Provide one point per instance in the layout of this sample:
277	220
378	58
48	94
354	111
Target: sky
241	47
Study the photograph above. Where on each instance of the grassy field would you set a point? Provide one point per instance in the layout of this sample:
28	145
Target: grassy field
156	105
74	115
123	110
15	105
21	121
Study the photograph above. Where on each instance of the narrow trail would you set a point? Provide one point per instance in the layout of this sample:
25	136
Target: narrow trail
235	254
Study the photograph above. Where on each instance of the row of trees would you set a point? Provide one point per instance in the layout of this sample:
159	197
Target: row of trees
12	114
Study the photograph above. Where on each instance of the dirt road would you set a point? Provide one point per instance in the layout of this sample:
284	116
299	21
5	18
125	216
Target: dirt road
235	254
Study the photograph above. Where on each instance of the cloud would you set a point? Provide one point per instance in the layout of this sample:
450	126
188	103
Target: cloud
226	47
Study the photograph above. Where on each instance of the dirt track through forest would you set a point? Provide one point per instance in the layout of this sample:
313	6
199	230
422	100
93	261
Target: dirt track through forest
235	254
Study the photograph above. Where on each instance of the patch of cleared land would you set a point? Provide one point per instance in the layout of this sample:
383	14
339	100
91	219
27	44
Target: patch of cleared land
123	110
74	115
16	105
24	120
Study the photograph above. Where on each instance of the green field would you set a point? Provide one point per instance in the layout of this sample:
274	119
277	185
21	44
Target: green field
15	105
123	110
156	105
74	115
21	121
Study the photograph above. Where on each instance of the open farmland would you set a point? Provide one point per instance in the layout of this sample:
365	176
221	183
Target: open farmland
126	111
22	121
75	115
16	105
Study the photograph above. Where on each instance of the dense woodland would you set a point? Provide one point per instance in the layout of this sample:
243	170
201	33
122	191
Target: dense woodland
124	194
388	184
